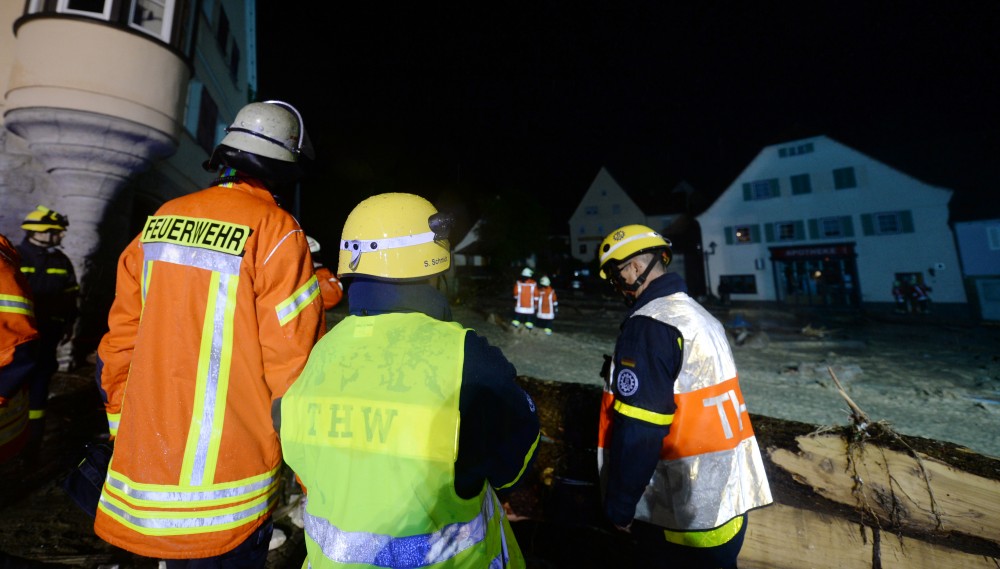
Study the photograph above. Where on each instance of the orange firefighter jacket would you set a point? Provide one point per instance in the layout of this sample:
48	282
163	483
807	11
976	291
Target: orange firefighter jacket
524	296
17	327
330	287
547	302
215	313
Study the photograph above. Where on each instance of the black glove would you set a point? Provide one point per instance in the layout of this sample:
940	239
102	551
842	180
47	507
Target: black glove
606	368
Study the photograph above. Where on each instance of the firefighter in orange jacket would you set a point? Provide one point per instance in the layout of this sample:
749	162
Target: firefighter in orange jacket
679	463
524	301
18	344
216	310
330	287
547	304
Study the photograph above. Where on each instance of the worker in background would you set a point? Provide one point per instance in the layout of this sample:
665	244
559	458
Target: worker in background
330	287
55	291
679	463
920	298
546	304
18	347
524	301
216	310
422	420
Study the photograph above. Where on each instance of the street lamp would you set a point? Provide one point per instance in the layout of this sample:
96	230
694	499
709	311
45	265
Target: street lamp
708	273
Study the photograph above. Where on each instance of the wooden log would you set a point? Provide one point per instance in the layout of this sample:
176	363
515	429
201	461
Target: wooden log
844	497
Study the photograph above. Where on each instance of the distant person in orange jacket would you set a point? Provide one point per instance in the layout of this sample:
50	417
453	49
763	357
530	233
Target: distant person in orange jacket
546	304
216	310
524	301
18	346
330	287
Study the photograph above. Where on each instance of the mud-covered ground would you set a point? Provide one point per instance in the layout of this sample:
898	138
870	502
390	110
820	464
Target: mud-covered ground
925	377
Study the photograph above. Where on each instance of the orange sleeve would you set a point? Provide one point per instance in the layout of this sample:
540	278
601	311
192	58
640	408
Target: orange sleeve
329	287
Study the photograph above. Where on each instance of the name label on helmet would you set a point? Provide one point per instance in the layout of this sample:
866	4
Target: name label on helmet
230	238
435	262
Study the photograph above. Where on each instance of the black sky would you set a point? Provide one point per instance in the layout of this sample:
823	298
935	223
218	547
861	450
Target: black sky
470	100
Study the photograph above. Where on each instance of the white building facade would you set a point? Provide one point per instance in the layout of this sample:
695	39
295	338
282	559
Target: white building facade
815	222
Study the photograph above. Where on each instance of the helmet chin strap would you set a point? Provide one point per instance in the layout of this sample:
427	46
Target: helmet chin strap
629	290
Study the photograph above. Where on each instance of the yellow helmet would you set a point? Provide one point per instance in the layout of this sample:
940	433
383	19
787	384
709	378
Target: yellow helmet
395	236
628	241
44	219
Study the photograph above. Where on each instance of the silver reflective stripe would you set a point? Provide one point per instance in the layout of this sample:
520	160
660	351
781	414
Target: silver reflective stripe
187	498
295	304
410	551
193	257
170	520
18	304
359	246
210	384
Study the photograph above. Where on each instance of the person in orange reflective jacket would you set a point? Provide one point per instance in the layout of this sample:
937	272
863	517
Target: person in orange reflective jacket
547	304
524	301
216	310
679	462
330	287
18	345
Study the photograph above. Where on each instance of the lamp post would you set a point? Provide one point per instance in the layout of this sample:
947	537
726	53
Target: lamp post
708	273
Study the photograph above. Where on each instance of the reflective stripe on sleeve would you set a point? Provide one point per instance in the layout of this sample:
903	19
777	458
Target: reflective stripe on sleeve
16	305
293	305
643	414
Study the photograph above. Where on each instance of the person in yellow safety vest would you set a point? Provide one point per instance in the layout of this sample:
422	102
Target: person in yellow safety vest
546	304
216	310
55	291
330	287
524	300
18	346
679	463
404	425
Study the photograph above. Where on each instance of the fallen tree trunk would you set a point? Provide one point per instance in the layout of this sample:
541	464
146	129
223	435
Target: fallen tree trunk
851	496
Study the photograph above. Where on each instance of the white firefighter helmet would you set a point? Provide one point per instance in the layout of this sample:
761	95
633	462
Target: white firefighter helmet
544	281
527	273
272	129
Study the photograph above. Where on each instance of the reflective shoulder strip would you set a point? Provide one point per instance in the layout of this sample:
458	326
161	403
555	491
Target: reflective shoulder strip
54	271
36	413
290	307
380	550
16	304
643	414
209	234
710	538
524	466
29	270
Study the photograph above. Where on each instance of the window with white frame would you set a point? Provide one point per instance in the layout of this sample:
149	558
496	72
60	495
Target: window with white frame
94	8
743	234
887	222
844	178
831	227
760	189
785	231
153	17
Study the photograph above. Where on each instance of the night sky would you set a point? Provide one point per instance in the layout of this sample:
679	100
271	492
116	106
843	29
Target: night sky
459	103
